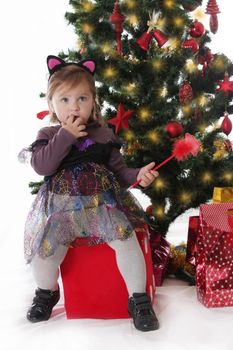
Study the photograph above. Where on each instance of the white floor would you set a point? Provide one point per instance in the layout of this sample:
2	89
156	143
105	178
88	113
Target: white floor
184	322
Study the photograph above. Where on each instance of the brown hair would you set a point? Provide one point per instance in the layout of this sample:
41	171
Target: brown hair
72	75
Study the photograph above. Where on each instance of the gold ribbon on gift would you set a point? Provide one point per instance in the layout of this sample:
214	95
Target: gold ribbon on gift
223	194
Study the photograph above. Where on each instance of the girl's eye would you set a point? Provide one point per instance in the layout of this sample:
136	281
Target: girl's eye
64	99
82	98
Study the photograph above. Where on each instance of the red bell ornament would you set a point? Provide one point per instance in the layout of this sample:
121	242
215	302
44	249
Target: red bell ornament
174	129
144	41
190	44
226	125
197	29
160	37
152	32
212	9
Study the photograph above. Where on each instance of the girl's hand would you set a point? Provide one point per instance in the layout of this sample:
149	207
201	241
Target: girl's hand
75	126
147	175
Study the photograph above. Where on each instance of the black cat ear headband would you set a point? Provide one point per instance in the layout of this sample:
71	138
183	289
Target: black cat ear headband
54	63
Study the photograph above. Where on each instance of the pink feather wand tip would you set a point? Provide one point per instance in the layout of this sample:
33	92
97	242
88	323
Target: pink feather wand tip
182	149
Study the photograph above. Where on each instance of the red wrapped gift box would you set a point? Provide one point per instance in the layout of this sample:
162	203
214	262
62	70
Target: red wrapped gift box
192	239
160	251
214	263
93	286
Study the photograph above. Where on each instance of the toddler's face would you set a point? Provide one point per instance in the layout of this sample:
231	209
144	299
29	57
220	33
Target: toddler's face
76	101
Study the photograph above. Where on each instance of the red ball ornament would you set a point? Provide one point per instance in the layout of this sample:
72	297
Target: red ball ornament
197	29
226	125
185	93
190	44
149	210
174	129
189	7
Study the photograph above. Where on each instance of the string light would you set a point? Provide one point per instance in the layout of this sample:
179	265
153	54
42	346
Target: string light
169	4
202	100
220	64
199	14
154	137
191	66
185	197
106	48
87	6
207	177
159	212
157	64
109	72
186	110
159	184
227	176
87	28
130	88
144	114
129	135
132	19
202	127
178	22
161	22
174	43
162	92
131	4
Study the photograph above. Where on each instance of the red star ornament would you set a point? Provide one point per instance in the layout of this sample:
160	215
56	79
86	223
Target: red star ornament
226	85
121	120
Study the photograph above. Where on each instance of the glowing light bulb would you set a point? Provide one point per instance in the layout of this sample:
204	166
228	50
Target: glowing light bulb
87	28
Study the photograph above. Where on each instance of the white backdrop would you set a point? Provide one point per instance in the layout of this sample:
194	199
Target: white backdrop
30	30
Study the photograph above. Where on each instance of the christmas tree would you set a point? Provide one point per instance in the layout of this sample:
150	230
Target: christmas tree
157	81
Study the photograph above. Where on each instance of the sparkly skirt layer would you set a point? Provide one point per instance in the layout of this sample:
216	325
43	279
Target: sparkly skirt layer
83	201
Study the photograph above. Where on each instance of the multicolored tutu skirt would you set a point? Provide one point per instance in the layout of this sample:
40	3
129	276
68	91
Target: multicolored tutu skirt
77	202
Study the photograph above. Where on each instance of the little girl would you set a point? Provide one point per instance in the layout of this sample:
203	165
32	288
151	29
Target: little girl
84	193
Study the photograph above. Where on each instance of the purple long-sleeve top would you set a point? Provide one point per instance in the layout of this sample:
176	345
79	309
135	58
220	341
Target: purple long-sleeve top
46	158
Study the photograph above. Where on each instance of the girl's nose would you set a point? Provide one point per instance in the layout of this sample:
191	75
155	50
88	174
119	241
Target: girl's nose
75	106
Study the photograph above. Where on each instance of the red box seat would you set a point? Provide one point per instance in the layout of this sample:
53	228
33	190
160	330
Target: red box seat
93	286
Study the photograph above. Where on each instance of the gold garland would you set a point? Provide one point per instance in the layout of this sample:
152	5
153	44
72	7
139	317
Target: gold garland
178	261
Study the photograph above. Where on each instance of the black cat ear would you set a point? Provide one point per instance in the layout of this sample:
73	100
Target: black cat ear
89	64
54	63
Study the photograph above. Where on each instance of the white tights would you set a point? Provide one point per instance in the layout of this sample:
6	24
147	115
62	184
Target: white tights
130	262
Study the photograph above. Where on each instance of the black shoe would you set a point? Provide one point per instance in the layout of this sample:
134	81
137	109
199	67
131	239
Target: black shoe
141	310
42	305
